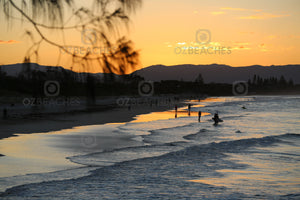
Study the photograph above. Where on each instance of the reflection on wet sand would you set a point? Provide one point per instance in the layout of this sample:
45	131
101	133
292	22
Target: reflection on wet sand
166	115
31	153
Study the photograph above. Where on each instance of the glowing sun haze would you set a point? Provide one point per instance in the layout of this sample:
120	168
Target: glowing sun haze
260	32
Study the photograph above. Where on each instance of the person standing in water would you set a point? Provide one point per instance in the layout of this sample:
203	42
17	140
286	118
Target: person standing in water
216	118
175	111
189	109
199	116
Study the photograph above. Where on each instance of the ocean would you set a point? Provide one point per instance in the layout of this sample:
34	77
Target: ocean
253	154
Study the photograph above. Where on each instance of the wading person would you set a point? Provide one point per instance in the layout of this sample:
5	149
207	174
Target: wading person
217	119
199	116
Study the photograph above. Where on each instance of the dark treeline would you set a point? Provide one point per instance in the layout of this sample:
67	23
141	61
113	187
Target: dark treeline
31	83
258	83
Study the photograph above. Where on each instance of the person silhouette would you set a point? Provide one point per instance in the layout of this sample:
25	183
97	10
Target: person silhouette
199	116
175	111
189	109
216	118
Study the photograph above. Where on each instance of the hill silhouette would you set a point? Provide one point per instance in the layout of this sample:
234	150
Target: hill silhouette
30	79
218	73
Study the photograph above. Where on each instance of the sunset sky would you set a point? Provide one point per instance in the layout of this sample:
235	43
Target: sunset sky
260	32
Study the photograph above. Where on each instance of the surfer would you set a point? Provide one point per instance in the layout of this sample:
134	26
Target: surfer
216	118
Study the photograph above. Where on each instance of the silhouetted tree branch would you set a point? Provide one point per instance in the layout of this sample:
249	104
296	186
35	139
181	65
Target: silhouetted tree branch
105	18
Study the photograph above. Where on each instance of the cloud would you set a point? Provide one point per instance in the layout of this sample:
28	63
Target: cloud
237	9
241	9
218	13
259	14
247	32
241	43
262	47
215	43
263	16
271	37
9	42
294	36
241	46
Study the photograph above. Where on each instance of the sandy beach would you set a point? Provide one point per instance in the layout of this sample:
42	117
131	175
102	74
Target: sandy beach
55	122
58	136
22	119
24	131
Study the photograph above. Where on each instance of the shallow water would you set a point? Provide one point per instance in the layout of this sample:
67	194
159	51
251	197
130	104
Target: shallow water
254	153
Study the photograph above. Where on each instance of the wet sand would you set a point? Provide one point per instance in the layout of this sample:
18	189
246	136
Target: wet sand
55	122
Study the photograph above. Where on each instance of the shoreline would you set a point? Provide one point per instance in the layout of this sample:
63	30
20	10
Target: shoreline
56	122
47	122
96	115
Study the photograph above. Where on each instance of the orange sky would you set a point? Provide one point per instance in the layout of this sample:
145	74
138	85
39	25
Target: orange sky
250	32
